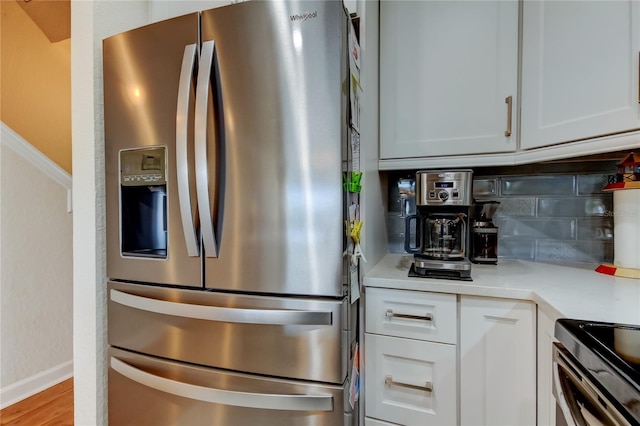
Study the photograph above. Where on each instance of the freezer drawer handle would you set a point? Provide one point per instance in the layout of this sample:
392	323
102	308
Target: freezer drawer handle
322	402
217	313
390	314
388	380
182	162
201	142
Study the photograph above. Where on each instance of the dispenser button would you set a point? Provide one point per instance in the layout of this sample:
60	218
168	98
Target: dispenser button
432	194
456	194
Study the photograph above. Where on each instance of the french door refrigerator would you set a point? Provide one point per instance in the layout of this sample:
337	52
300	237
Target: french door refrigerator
225	145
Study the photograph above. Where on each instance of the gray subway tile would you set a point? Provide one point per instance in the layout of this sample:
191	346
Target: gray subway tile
606	252
595	228
396	224
592	184
516	249
396	244
565	218
574	206
538	185
573	251
516	207
485	187
563	229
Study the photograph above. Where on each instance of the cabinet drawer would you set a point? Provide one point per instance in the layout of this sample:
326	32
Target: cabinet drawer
413	314
410	382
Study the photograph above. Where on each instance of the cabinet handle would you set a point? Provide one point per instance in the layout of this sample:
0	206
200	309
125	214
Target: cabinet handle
509	101
388	380
390	314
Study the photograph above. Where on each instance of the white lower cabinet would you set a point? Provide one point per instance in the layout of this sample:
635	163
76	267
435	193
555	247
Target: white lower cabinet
448	359
546	400
410	382
410	357
497	361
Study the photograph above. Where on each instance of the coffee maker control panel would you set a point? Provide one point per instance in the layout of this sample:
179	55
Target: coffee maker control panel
444	188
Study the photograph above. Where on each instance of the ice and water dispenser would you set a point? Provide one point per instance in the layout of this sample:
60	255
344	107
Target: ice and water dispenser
143	202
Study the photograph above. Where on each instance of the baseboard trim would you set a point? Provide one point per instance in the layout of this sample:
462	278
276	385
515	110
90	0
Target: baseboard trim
18	391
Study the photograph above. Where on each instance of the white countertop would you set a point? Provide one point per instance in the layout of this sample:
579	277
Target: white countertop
573	291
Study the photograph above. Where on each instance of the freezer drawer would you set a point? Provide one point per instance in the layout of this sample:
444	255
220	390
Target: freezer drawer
145	390
298	338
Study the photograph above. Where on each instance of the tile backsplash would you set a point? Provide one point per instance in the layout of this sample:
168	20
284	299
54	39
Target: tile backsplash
554	217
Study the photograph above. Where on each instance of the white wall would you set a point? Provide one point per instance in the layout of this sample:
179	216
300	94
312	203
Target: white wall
91	21
162	9
374	239
35	274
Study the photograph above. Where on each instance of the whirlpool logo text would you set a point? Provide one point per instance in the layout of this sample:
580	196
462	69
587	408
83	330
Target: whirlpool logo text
301	17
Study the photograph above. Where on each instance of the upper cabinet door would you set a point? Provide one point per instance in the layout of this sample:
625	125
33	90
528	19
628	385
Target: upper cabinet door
579	70
448	77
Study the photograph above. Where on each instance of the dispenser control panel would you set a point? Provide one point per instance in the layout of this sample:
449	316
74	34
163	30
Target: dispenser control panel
143	203
445	188
143	166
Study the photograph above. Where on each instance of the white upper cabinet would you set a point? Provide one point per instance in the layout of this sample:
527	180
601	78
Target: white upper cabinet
579	70
448	77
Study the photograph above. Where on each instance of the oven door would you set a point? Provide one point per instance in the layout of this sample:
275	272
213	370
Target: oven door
579	402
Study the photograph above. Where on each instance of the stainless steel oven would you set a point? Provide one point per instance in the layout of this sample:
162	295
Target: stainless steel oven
595	381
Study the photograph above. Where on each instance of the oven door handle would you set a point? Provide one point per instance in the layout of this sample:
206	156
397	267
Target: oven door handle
564	403
322	402
221	313
573	412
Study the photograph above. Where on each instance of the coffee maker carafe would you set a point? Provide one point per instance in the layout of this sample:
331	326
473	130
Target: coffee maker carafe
484	234
443	199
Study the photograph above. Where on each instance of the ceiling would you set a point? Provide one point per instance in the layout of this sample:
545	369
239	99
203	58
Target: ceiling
53	17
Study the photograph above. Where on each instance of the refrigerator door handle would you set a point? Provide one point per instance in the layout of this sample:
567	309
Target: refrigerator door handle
321	402
202	173
182	163
223	314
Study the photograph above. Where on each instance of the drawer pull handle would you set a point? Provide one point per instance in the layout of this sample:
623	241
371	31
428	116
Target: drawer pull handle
390	314
388	380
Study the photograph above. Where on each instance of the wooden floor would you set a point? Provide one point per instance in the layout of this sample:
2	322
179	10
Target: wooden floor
53	406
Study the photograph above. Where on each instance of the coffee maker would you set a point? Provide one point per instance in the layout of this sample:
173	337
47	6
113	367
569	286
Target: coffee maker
443	200
484	234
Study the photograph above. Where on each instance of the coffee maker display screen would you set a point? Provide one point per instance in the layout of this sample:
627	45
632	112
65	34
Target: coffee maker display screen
443	184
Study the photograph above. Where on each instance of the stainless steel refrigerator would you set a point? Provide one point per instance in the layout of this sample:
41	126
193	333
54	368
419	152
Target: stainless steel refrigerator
226	142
